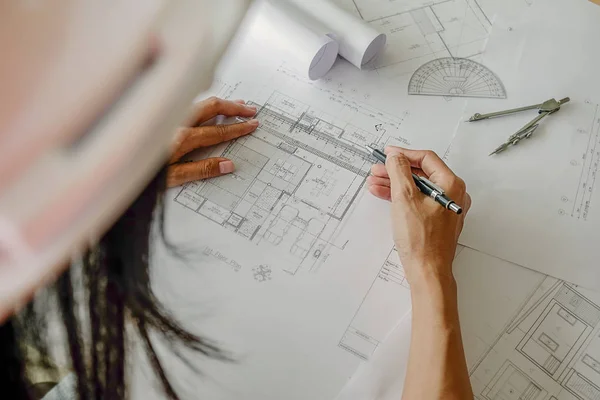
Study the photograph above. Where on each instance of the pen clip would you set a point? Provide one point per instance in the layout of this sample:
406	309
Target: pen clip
432	185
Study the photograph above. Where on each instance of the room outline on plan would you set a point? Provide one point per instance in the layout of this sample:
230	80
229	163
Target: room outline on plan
297	177
550	350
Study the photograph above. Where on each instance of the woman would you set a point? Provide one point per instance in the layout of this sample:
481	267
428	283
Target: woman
113	276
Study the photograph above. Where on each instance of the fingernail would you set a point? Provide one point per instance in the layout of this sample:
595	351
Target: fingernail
253	122
239	101
251	108
226	167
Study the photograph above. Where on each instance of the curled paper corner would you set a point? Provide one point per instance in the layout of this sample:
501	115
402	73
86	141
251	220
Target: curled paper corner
374	49
324	59
359	43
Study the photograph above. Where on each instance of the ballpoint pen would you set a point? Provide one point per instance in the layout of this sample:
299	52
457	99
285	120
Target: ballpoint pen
426	187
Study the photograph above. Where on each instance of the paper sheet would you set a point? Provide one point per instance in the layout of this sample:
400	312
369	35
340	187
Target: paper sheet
526	336
537	204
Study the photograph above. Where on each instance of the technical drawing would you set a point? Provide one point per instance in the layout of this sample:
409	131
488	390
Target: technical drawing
513	384
456	77
262	273
367	330
296	177
550	348
419	31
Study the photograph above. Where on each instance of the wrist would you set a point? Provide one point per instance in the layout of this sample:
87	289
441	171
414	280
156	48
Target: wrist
432	286
429	273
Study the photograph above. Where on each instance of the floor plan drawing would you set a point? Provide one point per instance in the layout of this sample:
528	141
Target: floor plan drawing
456	77
296	177
420	31
388	293
549	350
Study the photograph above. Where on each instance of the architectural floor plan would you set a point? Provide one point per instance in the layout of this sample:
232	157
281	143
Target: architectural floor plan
296	178
550	350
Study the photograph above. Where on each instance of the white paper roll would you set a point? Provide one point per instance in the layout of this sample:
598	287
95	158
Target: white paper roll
291	30
358	42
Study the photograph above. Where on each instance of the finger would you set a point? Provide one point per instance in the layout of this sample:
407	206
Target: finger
426	160
189	139
213	106
377	181
178	174
379	170
383	192
466	207
402	183
210	135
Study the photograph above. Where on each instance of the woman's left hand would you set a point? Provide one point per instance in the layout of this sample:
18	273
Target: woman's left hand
196	136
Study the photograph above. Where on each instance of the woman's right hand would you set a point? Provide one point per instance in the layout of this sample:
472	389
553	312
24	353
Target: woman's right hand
425	233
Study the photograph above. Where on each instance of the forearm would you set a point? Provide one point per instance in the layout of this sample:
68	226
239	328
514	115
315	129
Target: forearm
437	367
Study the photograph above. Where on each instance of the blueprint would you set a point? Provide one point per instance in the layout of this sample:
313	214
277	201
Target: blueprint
297	177
549	349
539	341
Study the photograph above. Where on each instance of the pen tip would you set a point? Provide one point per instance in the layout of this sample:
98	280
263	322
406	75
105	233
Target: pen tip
369	148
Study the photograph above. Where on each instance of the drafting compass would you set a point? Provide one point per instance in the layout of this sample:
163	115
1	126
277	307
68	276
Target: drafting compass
546	108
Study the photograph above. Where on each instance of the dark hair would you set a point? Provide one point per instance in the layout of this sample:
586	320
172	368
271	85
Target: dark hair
97	298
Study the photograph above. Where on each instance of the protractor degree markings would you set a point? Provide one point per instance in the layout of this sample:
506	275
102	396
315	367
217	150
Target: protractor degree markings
439	80
432	79
480	86
477	81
